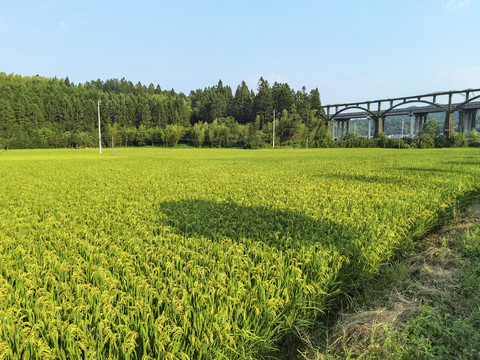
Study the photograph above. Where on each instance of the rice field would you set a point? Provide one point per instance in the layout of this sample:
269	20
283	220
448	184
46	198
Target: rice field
202	253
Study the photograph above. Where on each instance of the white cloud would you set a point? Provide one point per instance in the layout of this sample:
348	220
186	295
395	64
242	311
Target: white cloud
453	4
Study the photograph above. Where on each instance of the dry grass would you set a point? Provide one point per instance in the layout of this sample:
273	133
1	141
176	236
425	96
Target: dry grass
431	276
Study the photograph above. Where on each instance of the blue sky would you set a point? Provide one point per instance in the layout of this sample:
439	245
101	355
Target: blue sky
350	50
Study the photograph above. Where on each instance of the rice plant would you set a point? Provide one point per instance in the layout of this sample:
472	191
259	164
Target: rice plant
202	253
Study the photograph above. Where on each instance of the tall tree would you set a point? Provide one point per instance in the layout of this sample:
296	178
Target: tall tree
243	104
264	102
283	97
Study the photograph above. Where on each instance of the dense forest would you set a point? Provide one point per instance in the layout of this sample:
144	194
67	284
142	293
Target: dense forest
38	112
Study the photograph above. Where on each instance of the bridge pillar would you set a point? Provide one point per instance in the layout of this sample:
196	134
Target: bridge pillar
412	125
369	127
420	120
449	125
461	121
379	123
467	120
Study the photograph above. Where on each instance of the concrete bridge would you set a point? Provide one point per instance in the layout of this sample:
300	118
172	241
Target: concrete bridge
339	115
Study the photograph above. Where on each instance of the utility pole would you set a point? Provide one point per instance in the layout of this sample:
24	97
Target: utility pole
402	135
402	127
99	130
273	142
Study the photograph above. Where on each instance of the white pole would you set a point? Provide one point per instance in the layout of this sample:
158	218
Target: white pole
99	130
401	137
273	143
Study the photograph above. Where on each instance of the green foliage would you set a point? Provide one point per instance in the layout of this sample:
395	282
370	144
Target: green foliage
263	103
214	102
198	133
454	140
141	135
218	134
288	125
431	128
430	137
457	140
242	108
441	141
473	138
282	96
173	133
450	325
395	143
381	140
31	108
38	112
356	141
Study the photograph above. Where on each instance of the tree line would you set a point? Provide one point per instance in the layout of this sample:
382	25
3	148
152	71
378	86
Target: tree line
38	112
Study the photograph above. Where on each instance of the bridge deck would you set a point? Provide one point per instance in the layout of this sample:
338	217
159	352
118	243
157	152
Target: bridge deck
415	110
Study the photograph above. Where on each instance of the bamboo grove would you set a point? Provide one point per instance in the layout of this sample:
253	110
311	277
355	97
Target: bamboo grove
202	253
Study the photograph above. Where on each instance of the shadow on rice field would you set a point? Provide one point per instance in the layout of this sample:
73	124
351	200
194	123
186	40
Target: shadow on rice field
278	228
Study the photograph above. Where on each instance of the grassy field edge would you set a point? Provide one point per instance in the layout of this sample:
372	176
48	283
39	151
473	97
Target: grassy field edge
422	306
